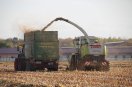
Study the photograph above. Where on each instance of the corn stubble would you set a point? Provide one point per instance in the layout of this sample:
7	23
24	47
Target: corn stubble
120	75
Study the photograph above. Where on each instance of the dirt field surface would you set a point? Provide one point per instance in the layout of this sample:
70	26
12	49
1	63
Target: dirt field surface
120	75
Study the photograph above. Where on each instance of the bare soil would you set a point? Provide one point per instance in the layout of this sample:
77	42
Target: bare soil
120	75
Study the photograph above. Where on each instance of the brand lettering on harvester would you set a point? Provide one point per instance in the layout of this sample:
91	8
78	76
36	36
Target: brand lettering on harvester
95	46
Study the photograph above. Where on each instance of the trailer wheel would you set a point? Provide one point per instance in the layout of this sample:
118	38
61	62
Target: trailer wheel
53	68
20	64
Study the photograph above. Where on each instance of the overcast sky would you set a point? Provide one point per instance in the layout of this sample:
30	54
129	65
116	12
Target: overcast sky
101	18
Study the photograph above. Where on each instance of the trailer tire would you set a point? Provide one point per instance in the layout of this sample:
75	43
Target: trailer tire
53	68
20	64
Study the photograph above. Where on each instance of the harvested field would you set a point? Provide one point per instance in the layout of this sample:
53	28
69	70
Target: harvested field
120	75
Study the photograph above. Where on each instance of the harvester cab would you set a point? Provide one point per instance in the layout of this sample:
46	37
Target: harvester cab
93	47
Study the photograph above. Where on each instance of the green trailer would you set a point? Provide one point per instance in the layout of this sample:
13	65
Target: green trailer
40	51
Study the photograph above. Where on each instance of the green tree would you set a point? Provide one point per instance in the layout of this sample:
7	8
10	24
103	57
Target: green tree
3	45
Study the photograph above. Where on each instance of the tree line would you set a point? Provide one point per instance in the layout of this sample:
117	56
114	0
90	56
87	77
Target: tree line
10	42
68	42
